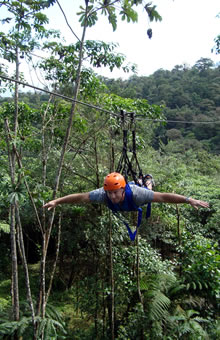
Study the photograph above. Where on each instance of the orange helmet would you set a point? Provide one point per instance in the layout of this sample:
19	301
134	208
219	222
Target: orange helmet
114	181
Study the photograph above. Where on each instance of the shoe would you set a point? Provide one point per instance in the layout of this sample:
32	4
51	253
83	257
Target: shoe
149	178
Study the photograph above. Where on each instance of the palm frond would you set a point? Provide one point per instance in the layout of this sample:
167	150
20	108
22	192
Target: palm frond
198	328
184	329
159	306
10	327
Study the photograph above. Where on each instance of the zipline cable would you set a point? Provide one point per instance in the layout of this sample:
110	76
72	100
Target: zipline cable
180	121
56	94
102	109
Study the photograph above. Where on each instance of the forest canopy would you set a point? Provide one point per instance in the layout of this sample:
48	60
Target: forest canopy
73	272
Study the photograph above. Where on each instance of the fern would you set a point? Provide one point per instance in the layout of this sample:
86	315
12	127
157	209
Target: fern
53	313
184	329
159	306
41	326
154	288
177	289
10	327
50	327
49	330
188	322
23	324
197	327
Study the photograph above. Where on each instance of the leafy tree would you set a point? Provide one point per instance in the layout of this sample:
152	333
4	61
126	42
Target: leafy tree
188	325
88	17
189	94
26	18
200	267
156	287
217	45
216	48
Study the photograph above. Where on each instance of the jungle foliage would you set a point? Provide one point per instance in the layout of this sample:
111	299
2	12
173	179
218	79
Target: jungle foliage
75	274
190	94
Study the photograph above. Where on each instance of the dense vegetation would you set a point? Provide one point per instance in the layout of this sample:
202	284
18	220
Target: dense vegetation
73	273
189	94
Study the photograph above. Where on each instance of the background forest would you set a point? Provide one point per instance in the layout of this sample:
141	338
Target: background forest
73	273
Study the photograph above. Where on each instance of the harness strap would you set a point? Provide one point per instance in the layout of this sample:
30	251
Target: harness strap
132	235
125	165
129	205
148	211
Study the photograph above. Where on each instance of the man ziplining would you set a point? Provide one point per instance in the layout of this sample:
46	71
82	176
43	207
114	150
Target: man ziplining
114	190
118	196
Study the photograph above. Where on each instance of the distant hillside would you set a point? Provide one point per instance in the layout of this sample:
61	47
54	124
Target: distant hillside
189	95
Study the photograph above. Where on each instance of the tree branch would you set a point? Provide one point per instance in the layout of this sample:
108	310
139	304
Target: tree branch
67	21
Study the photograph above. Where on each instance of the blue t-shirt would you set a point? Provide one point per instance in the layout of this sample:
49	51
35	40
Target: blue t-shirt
141	196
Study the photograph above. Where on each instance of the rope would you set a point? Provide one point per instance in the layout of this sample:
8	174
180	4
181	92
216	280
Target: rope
57	95
125	165
179	121
134	156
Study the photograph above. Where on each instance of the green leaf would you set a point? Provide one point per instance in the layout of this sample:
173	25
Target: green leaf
5	227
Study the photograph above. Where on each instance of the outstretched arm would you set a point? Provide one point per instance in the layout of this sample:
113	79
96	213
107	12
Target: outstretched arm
175	198
70	199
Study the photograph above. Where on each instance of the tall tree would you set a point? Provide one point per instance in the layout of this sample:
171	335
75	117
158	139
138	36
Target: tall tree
88	17
26	28
20	41
216	48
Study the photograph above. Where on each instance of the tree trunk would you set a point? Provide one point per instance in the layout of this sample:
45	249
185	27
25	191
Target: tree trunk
97	297
55	260
179	237
19	232
25	265
96	162
138	284
138	271
12	158
104	311
46	236
112	306
14	283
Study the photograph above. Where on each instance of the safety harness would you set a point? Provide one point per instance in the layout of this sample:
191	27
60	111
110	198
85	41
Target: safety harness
128	205
129	166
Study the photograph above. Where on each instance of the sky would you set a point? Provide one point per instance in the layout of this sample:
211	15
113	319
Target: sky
185	35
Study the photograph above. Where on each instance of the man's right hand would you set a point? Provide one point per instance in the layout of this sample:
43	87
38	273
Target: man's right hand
50	205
